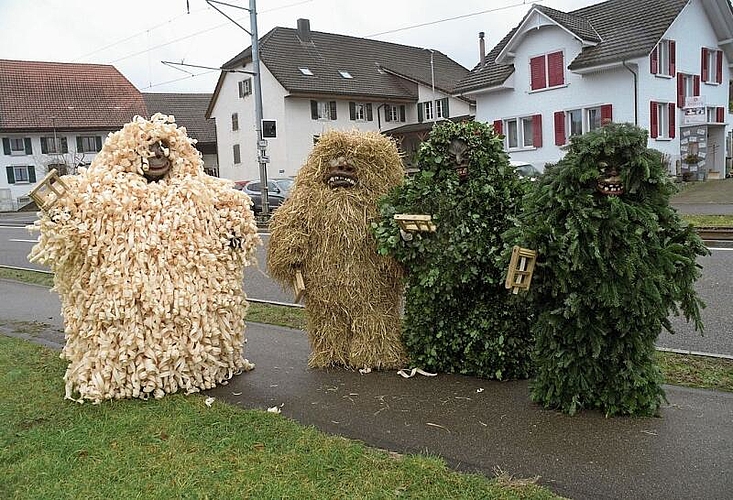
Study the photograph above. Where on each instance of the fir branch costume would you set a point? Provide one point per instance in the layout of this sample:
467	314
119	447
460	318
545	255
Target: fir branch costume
352	294
614	261
458	315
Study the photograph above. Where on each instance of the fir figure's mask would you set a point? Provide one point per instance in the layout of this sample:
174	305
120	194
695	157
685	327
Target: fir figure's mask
340	173
609	180
158	163
457	149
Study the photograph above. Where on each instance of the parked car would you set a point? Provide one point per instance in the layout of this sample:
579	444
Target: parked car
525	170
278	190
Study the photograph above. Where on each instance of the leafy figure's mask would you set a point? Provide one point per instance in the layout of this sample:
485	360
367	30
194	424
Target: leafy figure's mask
341	173
609	181
457	149
158	163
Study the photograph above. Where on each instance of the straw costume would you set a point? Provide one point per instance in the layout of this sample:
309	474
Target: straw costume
148	254
352	294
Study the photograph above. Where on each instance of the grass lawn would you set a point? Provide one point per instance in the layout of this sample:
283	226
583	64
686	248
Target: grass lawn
177	447
709	220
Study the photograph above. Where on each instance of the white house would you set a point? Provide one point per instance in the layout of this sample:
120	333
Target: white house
313	81
56	115
558	74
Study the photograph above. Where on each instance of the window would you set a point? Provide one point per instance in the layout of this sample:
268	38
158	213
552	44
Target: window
245	87
711	63
345	74
212	171
579	121
662	58
441	108
687	86
20	174
88	144
547	71
715	114
360	111
54	145
17	146
395	113
237	155
662	120
235	121
305	71
323	110
315	139
428	110
523	132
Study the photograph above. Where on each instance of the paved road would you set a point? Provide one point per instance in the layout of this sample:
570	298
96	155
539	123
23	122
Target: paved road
715	286
476	425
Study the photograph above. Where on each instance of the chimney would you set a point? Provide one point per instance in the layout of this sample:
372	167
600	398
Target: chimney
304	30
481	48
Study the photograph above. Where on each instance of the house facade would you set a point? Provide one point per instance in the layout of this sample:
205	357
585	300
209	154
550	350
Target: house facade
56	115
661	64
313	82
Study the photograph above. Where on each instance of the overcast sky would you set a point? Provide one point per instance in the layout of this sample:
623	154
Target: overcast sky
135	35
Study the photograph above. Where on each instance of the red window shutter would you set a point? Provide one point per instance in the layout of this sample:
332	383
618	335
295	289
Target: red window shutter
537	131
672	57
704	65
719	67
498	127
720	114
537	72
606	114
680	90
653	61
653	119
696	84
555	69
672	126
559	128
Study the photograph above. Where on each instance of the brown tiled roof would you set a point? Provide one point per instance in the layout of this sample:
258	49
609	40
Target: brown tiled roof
627	29
188	109
43	95
283	53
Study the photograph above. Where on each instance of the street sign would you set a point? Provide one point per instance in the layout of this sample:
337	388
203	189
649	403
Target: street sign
269	128
263	159
262	144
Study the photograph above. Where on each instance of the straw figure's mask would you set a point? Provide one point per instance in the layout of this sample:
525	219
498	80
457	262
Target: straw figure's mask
609	181
457	150
341	173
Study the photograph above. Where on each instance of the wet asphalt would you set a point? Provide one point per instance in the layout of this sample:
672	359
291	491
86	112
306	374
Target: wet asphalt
475	425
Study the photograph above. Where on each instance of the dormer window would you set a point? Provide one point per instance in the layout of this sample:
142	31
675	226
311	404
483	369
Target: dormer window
345	74
547	71
305	71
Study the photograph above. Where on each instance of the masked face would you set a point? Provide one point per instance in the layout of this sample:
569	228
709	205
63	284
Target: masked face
340	173
158	164
609	181
457	149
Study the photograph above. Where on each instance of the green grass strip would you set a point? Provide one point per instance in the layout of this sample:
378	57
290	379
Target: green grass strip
177	447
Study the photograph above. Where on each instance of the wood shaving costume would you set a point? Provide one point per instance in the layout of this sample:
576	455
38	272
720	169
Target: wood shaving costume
148	254
352	294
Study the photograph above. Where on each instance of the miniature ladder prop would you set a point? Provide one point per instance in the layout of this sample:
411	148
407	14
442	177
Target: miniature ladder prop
520	271
49	191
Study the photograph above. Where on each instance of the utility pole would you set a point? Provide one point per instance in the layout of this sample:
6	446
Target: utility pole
261	143
262	158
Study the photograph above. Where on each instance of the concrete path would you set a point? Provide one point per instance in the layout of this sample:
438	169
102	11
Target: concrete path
475	424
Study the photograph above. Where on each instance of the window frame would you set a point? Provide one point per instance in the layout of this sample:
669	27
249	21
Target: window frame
235	122
26	169
244	87
237	154
546	69
428	110
85	141
54	145
14	151
519	130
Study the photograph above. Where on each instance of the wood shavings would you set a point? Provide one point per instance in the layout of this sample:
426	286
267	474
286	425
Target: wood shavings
151	289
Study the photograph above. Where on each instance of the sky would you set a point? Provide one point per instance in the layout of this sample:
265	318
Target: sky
136	35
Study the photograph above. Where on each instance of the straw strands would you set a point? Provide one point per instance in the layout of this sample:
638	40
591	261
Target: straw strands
149	274
352	294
